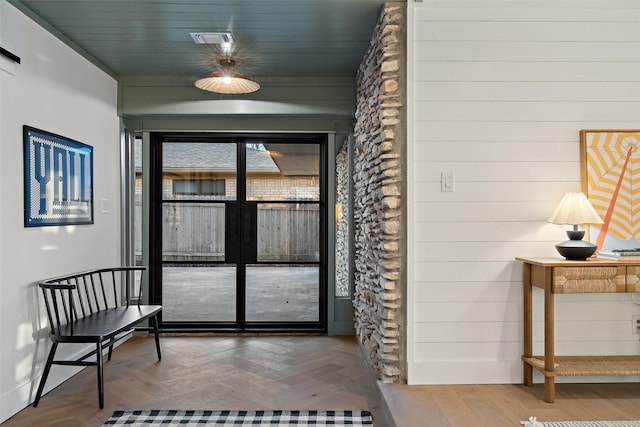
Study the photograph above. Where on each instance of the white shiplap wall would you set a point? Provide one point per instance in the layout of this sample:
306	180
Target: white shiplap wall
497	94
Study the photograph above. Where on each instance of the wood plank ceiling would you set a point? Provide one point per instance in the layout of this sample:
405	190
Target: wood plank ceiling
274	38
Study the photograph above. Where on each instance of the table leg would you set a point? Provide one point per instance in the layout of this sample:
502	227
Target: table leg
549	350
528	323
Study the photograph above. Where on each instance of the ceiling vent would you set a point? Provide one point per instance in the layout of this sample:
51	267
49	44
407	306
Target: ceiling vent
223	39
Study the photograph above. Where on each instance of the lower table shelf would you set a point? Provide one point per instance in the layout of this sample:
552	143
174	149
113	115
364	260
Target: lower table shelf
588	365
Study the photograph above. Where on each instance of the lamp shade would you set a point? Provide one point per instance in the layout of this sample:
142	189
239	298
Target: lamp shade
227	80
575	209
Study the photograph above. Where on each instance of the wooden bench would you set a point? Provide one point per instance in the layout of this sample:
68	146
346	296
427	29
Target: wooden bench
94	307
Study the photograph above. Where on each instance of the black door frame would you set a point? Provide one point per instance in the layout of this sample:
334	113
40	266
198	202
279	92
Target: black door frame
236	209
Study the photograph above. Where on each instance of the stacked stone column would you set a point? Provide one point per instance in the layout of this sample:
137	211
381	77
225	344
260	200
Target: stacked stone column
379	174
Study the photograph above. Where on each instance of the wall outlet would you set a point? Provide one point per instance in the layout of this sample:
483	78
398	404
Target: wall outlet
635	324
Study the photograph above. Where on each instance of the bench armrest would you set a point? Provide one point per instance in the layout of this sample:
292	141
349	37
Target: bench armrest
60	286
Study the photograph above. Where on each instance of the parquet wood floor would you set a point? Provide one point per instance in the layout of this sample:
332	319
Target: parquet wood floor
205	372
316	372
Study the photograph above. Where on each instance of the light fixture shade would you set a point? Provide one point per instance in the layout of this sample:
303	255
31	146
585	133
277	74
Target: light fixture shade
575	209
227	80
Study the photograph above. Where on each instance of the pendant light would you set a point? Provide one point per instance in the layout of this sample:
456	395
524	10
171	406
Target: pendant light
227	80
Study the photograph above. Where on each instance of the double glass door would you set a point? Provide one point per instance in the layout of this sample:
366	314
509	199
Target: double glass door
238	225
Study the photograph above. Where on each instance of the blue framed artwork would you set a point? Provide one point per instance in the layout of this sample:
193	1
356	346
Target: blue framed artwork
58	180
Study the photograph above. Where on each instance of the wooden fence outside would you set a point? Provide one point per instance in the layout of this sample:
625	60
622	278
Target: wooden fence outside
195	232
288	232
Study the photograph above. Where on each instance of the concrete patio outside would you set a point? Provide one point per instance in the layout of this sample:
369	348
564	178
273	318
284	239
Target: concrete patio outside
208	294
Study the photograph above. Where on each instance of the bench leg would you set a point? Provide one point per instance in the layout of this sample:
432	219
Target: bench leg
110	350
45	373
154	320
100	374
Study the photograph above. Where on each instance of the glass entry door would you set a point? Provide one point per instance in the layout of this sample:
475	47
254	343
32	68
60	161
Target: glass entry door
239	233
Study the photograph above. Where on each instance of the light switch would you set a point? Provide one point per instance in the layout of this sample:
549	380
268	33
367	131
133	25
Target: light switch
104	205
447	182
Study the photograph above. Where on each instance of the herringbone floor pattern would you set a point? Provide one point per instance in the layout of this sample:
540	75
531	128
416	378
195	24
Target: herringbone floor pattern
202	372
294	372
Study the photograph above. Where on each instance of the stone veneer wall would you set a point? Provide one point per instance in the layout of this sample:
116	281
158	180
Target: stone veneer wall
343	209
379	185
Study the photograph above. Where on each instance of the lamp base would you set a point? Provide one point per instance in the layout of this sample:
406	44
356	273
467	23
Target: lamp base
576	250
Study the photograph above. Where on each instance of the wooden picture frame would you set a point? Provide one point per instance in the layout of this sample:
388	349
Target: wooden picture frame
610	168
58	180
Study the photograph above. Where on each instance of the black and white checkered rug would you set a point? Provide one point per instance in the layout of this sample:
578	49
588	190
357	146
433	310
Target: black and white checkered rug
239	418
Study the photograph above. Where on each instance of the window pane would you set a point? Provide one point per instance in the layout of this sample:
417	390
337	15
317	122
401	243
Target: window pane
195	293
212	187
288	232
192	170
193	231
283	172
284	293
184	186
137	201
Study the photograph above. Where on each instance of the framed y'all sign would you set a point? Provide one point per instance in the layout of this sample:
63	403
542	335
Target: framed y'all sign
58	180
611	181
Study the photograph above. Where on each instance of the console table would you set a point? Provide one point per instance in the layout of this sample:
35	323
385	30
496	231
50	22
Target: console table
559	276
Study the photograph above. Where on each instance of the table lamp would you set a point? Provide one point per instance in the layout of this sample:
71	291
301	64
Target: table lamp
575	209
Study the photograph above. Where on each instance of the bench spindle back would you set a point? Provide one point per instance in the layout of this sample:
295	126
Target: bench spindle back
72	297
